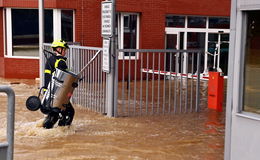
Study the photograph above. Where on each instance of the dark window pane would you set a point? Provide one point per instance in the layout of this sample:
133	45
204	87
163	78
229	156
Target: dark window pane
175	21
25	31
130	32
67	25
48	26
196	40
196	22
215	22
252	64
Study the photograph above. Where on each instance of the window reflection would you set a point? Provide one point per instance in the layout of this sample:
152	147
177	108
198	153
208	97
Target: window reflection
67	25
175	21
130	33
252	64
25	31
197	22
216	22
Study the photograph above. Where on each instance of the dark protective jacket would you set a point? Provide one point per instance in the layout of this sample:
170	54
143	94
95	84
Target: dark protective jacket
51	64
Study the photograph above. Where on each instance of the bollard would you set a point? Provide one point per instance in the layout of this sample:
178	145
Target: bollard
215	91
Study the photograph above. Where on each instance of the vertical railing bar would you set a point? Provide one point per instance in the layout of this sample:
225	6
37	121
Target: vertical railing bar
153	85
181	83
159	77
198	83
80	66
123	84
98	80
147	67
169	106
186	90
96	83
77	66
83	89
103	87
101	84
116	88
141	85
192	73
164	82
129	82
176	81
88	82
83	80
135	72
93	80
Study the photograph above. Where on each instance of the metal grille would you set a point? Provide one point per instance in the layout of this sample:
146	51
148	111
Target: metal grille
158	81
91	92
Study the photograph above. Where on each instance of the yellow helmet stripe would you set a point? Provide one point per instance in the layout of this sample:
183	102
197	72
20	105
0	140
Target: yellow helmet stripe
47	71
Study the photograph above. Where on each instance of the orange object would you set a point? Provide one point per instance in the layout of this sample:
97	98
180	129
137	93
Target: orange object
215	91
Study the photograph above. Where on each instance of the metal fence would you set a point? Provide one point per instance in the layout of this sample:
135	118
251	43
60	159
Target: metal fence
91	92
157	81
7	148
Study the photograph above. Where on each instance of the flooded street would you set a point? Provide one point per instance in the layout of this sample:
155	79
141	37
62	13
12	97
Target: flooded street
193	136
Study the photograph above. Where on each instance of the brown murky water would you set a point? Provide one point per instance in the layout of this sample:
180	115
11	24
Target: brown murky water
196	136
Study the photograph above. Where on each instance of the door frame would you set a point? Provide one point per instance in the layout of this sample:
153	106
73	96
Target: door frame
171	30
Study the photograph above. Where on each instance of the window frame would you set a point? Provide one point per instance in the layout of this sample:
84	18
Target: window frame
240	82
121	35
8	50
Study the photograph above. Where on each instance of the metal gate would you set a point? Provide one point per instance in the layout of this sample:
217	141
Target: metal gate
157	81
7	148
91	92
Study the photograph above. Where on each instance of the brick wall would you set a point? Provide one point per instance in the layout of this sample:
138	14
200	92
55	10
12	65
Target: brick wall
88	24
21	68
66	4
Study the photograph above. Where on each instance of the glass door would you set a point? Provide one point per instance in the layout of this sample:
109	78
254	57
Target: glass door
218	46
174	41
196	40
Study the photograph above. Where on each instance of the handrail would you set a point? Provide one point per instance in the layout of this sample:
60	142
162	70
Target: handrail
10	122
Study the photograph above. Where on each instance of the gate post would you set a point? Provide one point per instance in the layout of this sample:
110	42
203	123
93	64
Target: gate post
8	148
111	80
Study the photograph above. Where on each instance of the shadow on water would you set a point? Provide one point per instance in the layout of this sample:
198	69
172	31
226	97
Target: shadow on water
196	136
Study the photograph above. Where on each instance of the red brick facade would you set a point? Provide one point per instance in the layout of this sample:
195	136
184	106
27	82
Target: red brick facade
88	24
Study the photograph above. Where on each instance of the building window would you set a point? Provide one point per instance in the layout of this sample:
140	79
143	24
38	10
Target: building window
25	31
197	22
252	64
175	21
67	25
216	22
129	33
22	30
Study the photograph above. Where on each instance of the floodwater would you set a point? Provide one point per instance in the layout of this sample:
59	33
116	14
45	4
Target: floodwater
194	136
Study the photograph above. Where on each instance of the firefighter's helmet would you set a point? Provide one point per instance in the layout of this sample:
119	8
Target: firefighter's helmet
59	43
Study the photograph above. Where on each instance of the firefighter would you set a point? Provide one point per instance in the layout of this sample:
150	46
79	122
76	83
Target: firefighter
57	60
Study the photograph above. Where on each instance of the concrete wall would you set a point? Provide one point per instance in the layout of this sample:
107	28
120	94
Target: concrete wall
242	128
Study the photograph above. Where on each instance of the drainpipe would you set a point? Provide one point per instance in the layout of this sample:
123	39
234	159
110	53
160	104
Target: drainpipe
41	39
229	105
